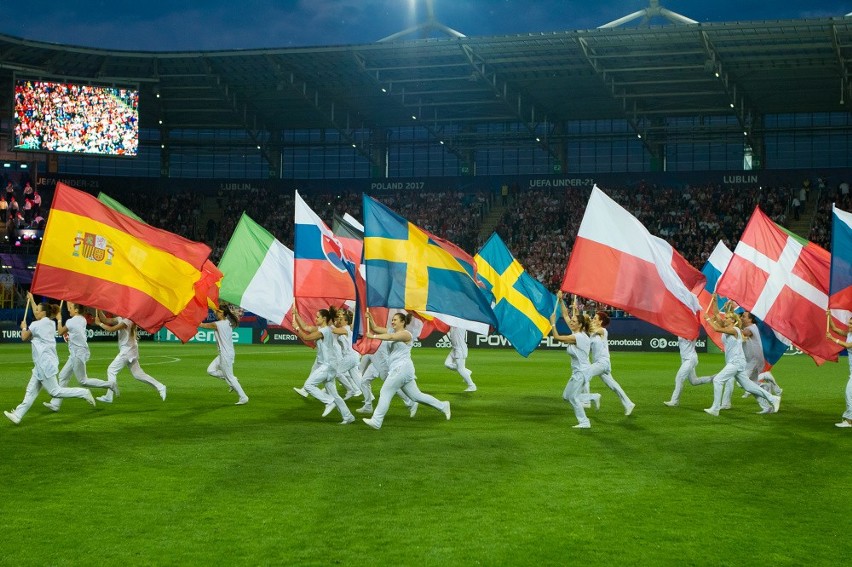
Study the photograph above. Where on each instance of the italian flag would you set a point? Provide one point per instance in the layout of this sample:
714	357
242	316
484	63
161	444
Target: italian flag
258	272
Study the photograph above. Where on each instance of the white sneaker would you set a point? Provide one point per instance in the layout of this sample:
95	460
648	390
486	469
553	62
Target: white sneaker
596	399
89	398
628	409
776	403
301	392
366	408
447	409
712	411
671	404
50	406
328	409
105	399
843	423
745	395
582	426
767	409
369	421
348	419
242	401
471	388
114	387
587	405
162	392
349	394
412	409
725	406
13	417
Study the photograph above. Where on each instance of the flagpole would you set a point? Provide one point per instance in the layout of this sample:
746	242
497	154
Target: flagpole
831	256
27	308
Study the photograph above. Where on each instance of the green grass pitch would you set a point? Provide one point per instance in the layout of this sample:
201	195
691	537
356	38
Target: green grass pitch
197	480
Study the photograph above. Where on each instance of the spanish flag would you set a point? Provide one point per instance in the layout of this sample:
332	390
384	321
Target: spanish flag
94	255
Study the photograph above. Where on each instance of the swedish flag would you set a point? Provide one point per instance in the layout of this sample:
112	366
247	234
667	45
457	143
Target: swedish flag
407	269
522	304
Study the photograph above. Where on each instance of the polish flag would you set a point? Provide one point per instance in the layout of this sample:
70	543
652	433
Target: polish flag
783	280
618	262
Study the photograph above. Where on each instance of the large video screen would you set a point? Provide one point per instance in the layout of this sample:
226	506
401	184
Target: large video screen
76	118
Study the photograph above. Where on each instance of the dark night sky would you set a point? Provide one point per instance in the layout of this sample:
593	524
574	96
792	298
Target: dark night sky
158	25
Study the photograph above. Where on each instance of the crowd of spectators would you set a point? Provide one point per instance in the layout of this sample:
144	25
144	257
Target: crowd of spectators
22	206
176	212
76	118
451	215
838	196
539	225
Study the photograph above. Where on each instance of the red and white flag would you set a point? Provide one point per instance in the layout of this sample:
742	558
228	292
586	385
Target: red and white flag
617	261
783	279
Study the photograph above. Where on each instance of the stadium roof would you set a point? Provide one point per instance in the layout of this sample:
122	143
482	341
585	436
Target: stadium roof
737	69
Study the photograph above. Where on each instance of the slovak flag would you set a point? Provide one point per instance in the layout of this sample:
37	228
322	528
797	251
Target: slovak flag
783	280
840	289
321	268
618	262
713	270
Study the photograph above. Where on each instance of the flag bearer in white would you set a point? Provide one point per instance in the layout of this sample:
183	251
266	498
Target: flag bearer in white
847	344
457	359
374	366
222	367
78	354
735	363
601	365
42	333
325	368
348	372
578	349
688	363
755	361
128	354
400	371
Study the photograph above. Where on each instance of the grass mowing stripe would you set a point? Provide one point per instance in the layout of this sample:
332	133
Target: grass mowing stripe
506	481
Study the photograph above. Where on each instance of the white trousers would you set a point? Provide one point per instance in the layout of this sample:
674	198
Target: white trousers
726	377
848	413
76	365
323	376
399	382
457	363
687	372
49	383
119	363
603	369
369	372
573	394
223	369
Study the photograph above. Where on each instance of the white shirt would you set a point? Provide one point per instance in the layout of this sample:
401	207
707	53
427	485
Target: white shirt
327	350
599	346
43	341
734	349
77	341
127	343
849	352
579	353
400	355
687	348
753	347
225	339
